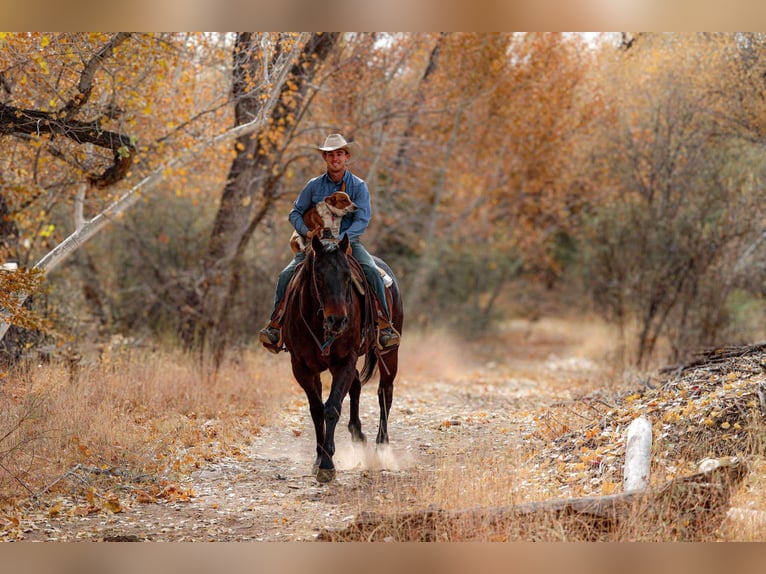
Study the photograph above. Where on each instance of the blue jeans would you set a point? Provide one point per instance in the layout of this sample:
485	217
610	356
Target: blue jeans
360	254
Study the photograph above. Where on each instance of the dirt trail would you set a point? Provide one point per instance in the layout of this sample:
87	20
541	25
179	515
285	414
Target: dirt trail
443	410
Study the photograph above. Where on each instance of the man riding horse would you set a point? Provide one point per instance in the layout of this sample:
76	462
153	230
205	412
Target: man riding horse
336	154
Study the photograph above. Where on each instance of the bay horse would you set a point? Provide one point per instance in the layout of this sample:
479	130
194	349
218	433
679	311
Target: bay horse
329	324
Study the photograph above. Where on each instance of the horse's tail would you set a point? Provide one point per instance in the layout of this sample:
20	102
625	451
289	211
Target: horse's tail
370	363
369	330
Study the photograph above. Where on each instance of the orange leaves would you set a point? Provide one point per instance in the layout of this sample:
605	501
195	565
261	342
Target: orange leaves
15	284
511	101
54	510
176	493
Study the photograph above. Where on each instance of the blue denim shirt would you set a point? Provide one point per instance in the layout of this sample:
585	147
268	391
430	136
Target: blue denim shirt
352	224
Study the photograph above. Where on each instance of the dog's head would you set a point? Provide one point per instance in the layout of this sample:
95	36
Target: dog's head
340	203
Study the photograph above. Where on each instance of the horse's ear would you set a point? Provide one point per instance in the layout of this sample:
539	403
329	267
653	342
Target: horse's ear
345	245
316	243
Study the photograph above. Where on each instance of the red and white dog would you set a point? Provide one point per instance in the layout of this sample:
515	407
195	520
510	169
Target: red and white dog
324	215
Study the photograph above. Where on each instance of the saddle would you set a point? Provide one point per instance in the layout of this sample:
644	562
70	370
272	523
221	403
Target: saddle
359	279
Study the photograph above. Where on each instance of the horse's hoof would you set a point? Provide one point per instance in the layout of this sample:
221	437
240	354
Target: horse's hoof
359	437
325	475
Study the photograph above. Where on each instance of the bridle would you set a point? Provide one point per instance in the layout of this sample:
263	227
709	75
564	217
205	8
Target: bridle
324	347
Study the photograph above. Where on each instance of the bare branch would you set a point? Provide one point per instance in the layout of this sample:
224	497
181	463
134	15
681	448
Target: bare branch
85	85
91	227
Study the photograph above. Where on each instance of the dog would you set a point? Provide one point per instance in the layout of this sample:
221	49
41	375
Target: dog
324	215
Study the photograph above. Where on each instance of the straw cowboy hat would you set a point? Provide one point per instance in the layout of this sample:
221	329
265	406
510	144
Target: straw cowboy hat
337	141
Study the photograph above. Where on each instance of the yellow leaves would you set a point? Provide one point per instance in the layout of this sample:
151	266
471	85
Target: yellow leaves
592	432
112	503
47	231
671	417
608	487
14	285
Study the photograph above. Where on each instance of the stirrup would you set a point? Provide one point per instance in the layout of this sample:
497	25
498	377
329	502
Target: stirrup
267	336
388	337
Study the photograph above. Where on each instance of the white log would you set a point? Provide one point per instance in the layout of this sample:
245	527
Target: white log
638	455
753	518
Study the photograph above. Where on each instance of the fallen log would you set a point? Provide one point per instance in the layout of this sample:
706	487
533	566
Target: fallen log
688	508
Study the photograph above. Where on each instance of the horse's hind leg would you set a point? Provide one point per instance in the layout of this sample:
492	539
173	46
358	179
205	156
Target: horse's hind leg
388	368
354	422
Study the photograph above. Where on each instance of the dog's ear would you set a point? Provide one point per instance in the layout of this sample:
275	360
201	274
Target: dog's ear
330	200
345	245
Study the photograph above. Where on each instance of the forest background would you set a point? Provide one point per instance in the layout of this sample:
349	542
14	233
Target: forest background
146	179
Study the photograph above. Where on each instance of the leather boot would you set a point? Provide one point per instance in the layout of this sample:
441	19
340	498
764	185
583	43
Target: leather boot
271	336
387	336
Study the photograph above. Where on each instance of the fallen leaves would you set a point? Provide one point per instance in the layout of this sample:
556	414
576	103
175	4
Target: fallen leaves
700	410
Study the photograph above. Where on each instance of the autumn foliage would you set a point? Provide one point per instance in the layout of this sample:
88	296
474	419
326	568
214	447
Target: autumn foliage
623	172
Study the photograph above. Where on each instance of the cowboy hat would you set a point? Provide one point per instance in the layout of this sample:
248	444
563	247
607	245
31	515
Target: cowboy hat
337	141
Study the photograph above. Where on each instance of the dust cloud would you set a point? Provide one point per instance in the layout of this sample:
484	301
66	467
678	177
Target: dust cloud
433	355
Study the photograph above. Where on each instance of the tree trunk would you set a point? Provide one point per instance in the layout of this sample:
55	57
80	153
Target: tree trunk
93	226
432	252
251	187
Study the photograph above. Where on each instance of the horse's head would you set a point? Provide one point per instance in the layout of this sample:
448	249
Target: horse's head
332	281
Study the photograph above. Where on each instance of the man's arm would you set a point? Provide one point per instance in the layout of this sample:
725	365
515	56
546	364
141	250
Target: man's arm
360	218
300	206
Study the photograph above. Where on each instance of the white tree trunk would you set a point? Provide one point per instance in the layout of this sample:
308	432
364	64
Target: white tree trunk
92	226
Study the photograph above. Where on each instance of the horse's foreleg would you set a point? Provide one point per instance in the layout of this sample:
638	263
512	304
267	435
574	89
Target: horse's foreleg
354	422
386	394
317	417
342	377
312	386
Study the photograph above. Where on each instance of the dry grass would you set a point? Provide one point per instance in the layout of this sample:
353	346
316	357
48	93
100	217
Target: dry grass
135	413
156	414
481	479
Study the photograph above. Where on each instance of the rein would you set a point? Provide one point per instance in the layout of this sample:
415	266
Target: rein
324	348
368	341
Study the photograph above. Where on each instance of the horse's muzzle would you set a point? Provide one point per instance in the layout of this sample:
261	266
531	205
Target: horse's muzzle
335	324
